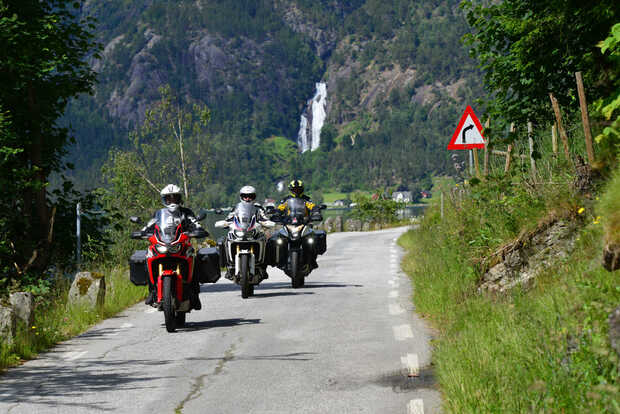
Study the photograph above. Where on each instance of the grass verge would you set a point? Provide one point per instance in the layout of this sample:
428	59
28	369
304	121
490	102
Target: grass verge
56	320
540	349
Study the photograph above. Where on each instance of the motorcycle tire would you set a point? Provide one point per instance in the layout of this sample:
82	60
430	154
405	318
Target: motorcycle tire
297	279
180	319
168	305
247	289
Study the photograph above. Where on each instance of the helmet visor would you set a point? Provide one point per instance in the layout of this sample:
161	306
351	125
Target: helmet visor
172	199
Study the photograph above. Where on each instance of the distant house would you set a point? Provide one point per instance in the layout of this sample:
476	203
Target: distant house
341	203
402	196
425	194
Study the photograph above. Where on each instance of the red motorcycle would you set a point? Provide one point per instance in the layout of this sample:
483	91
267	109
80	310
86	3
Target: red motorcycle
170	265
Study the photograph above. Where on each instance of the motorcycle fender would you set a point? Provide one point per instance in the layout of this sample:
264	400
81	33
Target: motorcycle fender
251	261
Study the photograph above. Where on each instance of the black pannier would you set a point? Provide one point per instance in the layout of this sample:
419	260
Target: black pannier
321	241
221	249
208	265
138	273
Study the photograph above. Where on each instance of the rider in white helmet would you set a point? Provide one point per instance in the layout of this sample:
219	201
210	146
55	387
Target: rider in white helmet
172	198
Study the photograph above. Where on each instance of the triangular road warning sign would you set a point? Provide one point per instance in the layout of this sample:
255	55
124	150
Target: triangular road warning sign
468	133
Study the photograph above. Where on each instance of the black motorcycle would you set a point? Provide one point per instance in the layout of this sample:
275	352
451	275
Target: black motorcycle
295	246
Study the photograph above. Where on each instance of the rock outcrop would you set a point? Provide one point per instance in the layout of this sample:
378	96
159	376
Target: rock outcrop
7	324
23	306
521	261
88	289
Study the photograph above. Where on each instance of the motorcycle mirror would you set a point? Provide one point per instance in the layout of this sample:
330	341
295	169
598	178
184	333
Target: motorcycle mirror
135	219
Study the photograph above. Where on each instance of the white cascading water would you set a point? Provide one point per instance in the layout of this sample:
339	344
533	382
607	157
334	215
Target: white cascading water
318	113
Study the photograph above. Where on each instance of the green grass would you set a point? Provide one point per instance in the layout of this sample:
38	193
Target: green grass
56	321
540	349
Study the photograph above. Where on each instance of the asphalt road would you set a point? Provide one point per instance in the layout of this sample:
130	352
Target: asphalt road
349	342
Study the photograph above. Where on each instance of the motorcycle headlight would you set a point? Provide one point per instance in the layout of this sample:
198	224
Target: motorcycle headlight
310	240
161	248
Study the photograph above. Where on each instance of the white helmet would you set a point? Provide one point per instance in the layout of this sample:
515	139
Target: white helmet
171	197
247	194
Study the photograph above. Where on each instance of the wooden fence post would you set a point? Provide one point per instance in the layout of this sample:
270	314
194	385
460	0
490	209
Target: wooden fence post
476	163
554	139
530	140
486	149
509	150
584	117
558	118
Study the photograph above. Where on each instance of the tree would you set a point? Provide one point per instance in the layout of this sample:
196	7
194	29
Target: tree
43	64
170	146
529	48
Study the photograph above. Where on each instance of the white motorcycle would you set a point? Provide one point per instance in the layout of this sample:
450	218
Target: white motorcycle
244	249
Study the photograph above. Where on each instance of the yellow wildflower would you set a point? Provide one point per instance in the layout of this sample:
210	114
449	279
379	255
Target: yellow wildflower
597	220
581	210
34	327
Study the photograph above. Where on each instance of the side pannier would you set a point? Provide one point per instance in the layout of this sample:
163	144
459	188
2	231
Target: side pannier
208	265
138	273
321	241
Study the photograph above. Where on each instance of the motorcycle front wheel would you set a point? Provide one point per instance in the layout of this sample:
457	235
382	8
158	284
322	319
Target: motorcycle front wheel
297	279
247	289
168	305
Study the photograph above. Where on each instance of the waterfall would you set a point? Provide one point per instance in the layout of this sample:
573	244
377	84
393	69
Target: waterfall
309	136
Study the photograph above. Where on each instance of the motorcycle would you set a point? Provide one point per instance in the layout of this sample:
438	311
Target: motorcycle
295	247
243	251
169	264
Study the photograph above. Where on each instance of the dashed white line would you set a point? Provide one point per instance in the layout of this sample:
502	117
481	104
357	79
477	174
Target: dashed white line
395	309
393	294
127	325
412	364
402	332
415	406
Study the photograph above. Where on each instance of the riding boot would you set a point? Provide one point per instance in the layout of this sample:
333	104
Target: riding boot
150	299
194	297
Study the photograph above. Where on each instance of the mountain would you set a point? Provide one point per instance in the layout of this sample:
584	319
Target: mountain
397	79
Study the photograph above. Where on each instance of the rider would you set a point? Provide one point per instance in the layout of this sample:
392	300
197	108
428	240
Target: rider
172	199
247	194
296	189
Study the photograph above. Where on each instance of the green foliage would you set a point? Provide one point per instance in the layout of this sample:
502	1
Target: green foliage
609	209
610	136
42	65
529	48
551	337
379	210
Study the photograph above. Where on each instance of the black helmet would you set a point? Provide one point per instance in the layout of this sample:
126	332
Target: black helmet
296	187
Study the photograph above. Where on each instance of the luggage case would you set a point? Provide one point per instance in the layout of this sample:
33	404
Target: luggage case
321	241
208	265
138	273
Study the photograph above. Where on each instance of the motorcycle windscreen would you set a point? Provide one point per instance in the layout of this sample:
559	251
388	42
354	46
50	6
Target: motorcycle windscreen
168	225
296	209
245	216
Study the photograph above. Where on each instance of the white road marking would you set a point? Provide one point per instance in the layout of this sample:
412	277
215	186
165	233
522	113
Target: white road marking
393	294
412	364
127	325
150	310
402	332
73	355
415	406
395	309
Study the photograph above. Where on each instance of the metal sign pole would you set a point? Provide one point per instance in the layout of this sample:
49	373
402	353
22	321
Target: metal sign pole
78	252
471	162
